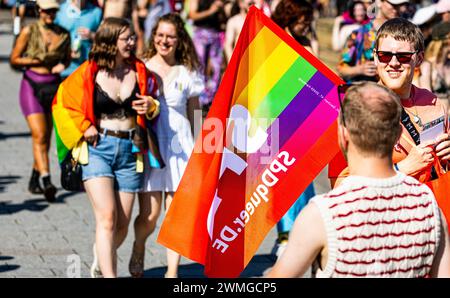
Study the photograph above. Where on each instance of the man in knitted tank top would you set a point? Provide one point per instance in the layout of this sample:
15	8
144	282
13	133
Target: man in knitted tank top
378	222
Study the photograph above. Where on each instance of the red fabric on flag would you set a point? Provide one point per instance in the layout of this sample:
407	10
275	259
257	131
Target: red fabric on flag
197	187
185	228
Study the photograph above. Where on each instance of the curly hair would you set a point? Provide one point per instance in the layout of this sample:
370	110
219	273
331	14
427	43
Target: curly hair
185	53
104	49
288	12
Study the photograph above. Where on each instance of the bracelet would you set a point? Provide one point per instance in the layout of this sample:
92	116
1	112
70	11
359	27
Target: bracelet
154	112
396	167
153	108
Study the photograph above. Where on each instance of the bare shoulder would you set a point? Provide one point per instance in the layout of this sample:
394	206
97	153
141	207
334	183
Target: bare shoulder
311	212
24	35
26	30
309	216
236	20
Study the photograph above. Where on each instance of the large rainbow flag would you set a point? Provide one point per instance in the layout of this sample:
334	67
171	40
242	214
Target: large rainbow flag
73	110
270	131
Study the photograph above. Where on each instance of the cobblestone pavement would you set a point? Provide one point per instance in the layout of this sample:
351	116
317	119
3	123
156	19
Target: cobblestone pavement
38	239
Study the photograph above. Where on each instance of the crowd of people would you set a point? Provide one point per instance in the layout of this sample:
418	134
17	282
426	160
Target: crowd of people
153	63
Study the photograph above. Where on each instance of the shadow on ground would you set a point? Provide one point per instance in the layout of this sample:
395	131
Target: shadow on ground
6	180
62	195
4	136
4	268
7	267
255	268
34	205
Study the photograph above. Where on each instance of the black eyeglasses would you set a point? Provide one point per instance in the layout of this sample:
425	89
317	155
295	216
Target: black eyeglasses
402	57
129	39
342	89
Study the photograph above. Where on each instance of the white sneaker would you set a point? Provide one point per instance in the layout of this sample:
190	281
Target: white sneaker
95	268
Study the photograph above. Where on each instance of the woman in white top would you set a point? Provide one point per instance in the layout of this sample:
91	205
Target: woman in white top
172	57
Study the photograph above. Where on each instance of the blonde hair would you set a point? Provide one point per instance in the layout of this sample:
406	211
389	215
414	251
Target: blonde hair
401	29
372	118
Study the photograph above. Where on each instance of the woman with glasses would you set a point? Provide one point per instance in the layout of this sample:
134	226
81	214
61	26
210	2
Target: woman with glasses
43	50
108	98
171	55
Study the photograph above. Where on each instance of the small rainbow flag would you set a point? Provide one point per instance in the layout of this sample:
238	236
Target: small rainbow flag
270	131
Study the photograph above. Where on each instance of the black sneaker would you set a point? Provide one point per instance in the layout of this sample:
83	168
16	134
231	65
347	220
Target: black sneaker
34	186
49	189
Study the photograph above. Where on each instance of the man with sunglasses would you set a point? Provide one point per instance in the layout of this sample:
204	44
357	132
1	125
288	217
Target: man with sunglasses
399	49
357	55
403	235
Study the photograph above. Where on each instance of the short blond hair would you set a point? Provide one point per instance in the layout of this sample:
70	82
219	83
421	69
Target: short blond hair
372	118
401	29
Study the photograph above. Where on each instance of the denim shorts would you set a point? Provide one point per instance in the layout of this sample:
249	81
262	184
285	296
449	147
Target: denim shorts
112	157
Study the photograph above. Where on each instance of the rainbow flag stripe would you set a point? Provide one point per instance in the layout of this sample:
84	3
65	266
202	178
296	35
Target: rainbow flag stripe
292	97
72	109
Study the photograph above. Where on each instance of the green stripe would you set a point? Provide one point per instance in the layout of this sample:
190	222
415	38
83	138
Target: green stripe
60	148
287	87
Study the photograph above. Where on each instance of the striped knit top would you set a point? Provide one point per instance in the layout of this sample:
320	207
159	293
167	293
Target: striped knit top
380	228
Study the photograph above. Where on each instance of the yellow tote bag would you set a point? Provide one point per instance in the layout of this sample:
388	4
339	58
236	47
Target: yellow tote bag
80	152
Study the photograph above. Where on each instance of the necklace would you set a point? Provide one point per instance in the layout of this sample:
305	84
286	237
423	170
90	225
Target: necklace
416	117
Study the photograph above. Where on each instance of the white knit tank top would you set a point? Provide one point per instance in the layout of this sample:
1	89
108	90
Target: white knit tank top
380	228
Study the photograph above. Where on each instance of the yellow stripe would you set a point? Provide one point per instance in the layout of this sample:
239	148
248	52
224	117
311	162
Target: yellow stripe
258	50
67	131
267	75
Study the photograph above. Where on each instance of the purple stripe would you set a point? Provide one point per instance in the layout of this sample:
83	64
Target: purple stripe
277	136
302	106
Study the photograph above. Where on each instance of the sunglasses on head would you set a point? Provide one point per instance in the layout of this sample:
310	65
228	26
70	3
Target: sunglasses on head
402	57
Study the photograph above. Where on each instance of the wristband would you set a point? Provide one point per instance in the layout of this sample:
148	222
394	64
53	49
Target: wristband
154	112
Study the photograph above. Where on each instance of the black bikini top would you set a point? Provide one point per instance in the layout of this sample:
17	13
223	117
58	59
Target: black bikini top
107	108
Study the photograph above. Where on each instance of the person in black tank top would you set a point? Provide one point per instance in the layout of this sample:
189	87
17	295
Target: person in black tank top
112	176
